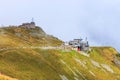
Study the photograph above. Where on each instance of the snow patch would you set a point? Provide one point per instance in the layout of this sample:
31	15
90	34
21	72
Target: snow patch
107	68
63	77
79	73
81	63
95	63
91	73
72	71
63	61
69	68
76	78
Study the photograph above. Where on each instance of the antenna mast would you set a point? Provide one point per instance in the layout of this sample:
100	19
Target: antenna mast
86	38
32	19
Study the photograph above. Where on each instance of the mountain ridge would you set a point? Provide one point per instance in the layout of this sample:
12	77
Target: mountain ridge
34	36
31	54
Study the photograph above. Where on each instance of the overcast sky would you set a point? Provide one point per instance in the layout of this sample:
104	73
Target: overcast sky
99	20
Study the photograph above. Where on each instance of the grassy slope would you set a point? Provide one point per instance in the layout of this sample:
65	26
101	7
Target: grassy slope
14	36
37	64
3	77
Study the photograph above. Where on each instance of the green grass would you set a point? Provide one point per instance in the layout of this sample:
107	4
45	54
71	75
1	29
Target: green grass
16	36
38	64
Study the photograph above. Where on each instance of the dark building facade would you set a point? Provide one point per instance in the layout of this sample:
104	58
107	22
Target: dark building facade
79	43
28	25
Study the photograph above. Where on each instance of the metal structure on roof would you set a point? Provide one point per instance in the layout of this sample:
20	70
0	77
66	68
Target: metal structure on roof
83	45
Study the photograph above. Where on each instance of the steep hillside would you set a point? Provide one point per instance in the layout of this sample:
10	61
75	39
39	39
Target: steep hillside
57	64
23	56
18	36
3	77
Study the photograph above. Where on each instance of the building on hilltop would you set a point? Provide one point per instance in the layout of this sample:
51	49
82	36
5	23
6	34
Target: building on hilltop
79	43
28	25
75	42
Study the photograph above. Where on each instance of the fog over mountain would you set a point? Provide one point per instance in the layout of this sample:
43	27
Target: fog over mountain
68	19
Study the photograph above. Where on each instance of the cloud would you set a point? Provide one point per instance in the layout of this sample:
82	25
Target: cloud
68	19
100	20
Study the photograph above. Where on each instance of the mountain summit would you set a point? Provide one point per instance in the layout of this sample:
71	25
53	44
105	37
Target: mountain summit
28	53
26	34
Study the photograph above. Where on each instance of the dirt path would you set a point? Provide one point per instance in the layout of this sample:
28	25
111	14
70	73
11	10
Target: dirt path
31	47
